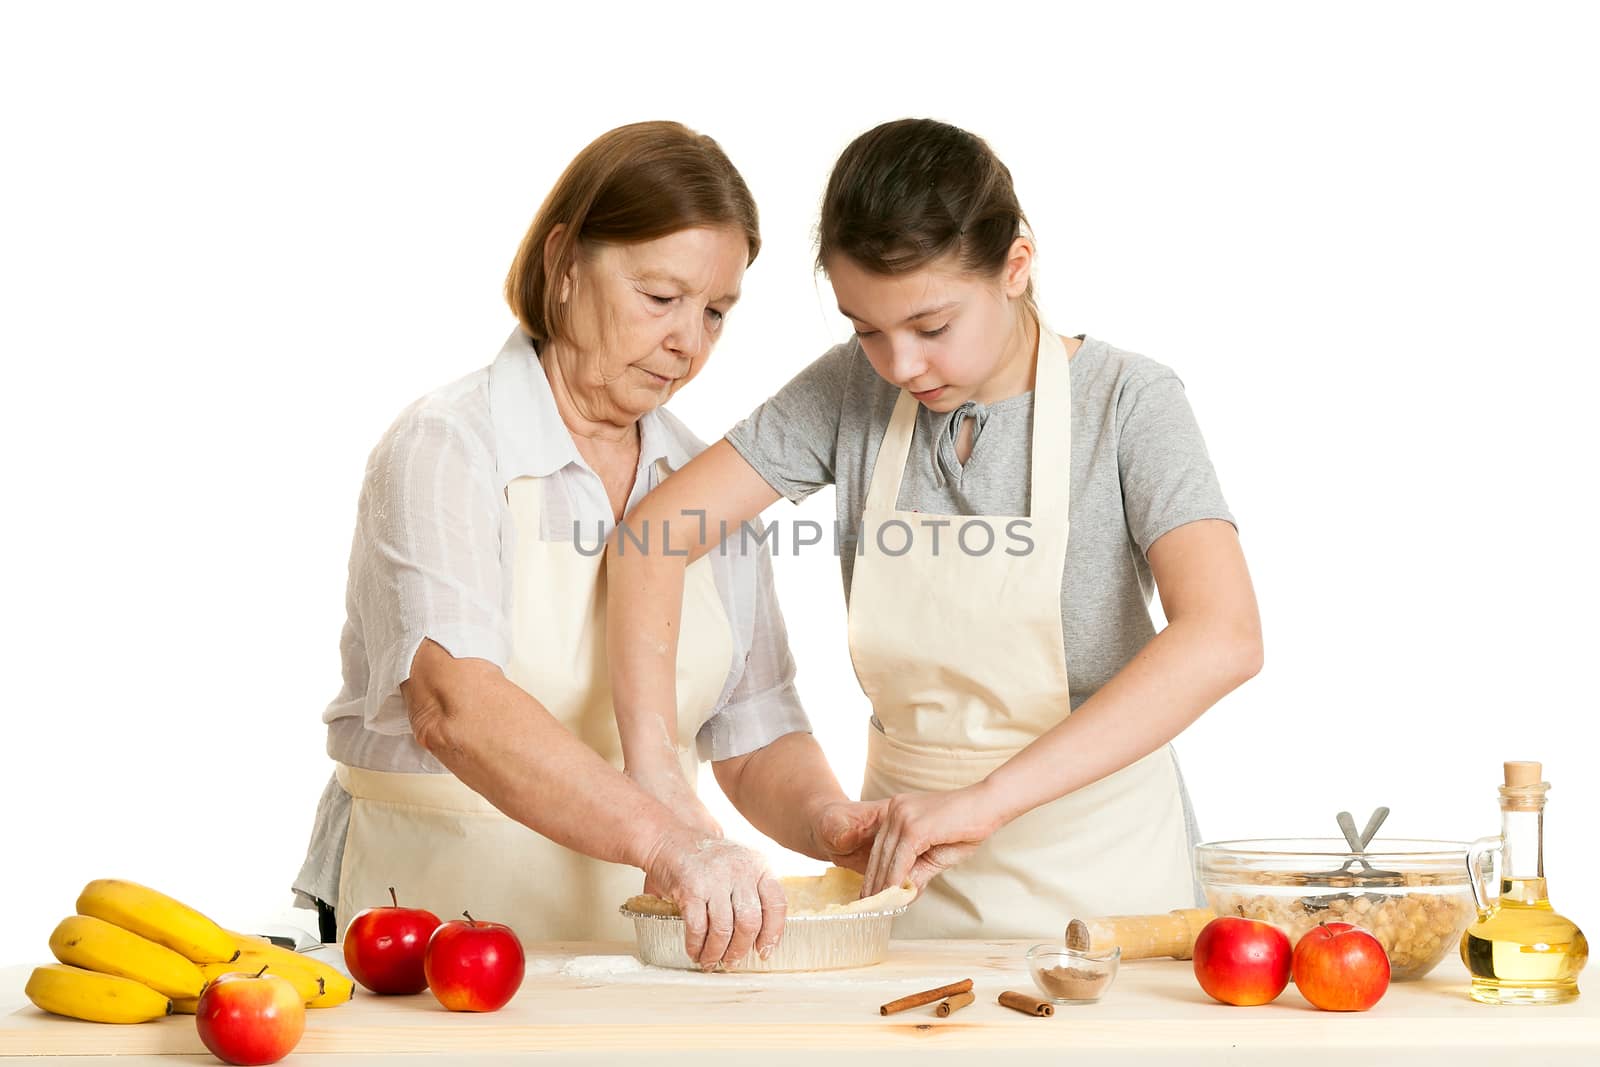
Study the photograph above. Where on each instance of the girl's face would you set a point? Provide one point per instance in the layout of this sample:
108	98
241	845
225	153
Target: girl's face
942	332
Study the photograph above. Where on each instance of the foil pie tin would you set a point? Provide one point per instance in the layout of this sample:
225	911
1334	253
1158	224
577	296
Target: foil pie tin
809	943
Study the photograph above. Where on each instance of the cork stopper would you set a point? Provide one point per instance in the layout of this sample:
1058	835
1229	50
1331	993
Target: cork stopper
1522	772
1525	787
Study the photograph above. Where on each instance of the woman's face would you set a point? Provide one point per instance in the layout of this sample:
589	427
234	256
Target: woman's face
942	332
643	318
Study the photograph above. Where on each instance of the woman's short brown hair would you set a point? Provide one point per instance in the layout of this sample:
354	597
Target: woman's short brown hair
913	191
634	183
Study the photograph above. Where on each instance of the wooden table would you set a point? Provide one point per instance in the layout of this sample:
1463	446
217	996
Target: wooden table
594	1004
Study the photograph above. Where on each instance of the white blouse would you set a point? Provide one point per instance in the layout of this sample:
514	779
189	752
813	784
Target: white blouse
432	558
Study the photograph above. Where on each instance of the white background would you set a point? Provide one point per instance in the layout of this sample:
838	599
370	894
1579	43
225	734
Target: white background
238	239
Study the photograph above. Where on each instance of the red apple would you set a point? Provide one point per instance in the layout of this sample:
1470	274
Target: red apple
384	946
1339	967
246	1018
1242	961
473	966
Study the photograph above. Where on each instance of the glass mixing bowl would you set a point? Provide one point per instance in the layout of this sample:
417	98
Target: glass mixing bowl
1415	897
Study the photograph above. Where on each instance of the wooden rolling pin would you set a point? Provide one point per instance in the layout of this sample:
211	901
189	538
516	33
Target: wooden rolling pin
1143	937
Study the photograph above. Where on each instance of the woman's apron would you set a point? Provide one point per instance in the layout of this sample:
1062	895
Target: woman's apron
961	656
443	847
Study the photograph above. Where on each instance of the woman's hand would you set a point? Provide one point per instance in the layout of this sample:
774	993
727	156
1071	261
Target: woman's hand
843	832
925	834
729	900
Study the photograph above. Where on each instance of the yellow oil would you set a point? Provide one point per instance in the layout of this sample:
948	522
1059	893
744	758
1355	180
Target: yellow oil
1521	951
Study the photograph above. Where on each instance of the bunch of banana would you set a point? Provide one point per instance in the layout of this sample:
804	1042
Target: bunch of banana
132	954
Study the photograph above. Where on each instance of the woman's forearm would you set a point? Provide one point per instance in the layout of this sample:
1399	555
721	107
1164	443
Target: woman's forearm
1180	673
781	790
505	746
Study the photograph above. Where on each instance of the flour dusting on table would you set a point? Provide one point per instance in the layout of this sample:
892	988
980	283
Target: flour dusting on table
628	969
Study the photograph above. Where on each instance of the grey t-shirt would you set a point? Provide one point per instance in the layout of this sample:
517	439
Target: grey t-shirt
1139	470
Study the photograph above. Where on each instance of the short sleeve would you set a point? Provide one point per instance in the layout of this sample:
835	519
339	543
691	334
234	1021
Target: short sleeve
426	562
763	704
1167	477
792	439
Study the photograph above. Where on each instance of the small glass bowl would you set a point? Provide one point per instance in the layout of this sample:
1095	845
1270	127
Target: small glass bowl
1066	976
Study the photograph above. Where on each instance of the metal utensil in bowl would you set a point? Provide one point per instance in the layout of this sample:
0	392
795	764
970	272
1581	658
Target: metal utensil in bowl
1355	872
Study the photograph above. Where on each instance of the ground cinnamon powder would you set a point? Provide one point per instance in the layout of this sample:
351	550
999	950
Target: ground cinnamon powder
1073	983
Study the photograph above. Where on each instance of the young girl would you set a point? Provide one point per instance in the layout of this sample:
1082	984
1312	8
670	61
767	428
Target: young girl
1006	497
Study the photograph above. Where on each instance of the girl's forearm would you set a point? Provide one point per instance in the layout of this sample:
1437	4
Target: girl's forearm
1180	673
644	603
644	597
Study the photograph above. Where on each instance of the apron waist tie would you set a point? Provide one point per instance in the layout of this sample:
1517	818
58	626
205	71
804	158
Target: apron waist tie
444	792
926	768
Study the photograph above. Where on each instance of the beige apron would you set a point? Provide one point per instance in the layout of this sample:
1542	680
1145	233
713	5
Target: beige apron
960	652
447	849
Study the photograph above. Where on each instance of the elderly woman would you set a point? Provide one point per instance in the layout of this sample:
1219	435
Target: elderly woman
478	761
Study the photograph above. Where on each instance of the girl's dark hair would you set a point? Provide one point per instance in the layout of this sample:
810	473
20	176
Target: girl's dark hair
631	184
912	191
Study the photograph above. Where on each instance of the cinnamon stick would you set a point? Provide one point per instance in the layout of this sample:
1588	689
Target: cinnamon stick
1026	1004
917	1000
955	1003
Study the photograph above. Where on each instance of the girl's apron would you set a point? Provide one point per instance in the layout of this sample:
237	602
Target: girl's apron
960	652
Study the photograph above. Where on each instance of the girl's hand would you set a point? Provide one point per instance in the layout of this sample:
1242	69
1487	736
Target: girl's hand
925	834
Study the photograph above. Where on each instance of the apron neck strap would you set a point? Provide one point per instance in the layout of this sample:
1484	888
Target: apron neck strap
526	497
890	466
1050	481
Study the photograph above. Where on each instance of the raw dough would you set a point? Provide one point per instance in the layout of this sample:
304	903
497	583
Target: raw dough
833	892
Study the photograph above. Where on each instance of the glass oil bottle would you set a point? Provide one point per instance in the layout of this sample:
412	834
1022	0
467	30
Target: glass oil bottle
1519	951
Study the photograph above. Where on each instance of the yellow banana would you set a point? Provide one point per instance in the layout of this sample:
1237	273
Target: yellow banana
185	1005
96	945
307	984
335	991
98	998
158	917
337	988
